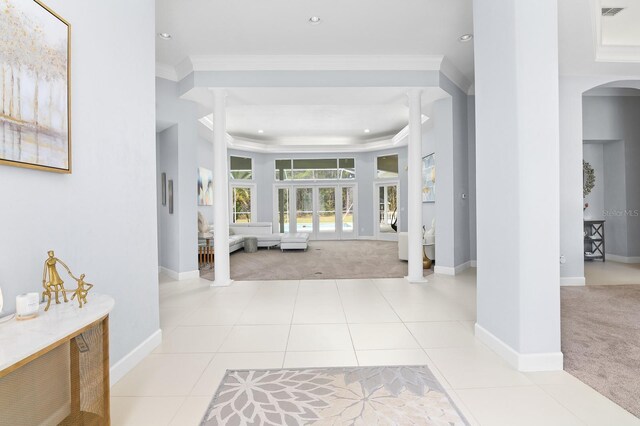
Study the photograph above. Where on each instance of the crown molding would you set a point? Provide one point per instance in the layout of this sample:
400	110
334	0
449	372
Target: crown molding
319	63
166	71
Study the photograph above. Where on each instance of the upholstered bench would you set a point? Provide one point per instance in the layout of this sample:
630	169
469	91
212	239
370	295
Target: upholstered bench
298	241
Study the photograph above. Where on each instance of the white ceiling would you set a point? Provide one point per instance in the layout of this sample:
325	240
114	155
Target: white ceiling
622	29
281	27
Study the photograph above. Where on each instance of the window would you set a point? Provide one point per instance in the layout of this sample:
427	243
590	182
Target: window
242	204
241	168
387	166
316	169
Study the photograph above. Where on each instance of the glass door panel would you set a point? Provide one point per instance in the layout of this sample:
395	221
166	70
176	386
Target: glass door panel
304	210
326	213
348	202
387	211
283	210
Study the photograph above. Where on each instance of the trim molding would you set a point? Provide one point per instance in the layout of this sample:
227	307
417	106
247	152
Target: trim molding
316	63
133	358
622	259
572	281
448	270
166	71
544	361
180	276
473	263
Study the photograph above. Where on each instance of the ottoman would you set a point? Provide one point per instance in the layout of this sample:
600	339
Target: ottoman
295	241
250	244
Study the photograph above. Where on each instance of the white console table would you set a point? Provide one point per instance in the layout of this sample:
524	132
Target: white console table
54	369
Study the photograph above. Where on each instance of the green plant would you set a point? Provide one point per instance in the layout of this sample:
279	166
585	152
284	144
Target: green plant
588	178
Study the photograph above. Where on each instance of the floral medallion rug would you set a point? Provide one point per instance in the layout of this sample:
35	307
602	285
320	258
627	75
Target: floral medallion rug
332	396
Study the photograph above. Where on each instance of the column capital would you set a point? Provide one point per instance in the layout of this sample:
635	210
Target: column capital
218	91
415	92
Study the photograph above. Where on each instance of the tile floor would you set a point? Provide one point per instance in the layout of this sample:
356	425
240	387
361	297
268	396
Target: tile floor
275	324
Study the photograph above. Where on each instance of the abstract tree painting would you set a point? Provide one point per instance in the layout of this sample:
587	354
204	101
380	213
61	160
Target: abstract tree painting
34	87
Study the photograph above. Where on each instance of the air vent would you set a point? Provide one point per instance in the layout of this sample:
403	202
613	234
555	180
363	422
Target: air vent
611	11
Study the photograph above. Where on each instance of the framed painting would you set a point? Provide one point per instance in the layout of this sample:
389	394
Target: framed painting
429	178
205	187
35	96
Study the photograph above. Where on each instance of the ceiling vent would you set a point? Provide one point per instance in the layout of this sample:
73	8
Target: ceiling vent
611	11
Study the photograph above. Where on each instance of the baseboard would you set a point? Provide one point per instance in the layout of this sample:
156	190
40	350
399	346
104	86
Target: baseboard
474	263
546	361
133	358
180	276
448	270
622	259
572	281
367	238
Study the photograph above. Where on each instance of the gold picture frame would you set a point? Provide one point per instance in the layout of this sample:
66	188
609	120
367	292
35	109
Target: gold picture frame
39	145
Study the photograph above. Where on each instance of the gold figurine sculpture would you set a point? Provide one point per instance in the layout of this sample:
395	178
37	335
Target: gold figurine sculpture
82	290
53	284
51	280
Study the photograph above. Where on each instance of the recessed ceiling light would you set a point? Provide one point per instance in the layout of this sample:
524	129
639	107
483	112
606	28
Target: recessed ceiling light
465	37
261	131
367	130
164	36
314	20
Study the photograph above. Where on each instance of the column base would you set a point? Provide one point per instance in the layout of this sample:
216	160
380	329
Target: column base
541	361
222	283
421	280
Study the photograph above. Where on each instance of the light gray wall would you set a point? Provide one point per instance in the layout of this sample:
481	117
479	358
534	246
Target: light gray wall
171	110
101	219
168	224
614	119
614	199
471	116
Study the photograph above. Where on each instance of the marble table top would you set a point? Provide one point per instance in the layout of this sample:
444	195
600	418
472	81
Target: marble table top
21	339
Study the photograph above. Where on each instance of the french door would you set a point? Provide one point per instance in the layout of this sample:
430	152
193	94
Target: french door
325	212
386	199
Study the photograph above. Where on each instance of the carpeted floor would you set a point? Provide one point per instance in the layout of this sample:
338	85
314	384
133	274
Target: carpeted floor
332	396
322	260
601	340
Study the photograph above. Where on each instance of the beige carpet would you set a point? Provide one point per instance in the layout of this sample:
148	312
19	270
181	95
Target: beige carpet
601	340
322	260
332	396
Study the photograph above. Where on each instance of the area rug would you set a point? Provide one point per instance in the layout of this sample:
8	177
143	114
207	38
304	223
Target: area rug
601	340
322	260
332	396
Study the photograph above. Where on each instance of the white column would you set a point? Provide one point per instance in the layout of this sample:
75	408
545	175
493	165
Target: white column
220	190
517	159
414	187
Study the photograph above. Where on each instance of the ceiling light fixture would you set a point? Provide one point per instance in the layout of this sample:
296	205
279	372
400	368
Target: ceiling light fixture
465	37
367	130
164	36
261	131
314	20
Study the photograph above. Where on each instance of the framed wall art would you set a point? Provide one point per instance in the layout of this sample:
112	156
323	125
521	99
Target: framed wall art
163	185
35	96
170	190
205	187
429	178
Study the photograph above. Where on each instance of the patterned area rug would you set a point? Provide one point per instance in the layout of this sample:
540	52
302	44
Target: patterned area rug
332	396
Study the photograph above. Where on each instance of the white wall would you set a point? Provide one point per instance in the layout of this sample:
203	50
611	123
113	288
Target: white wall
101	219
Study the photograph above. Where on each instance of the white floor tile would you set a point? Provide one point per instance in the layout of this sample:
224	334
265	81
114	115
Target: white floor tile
475	367
209	315
256	338
194	339
392	357
163	375
319	337
212	376
449	334
362	313
267	313
320	359
315	313
144	411
191	411
522	406
382	336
